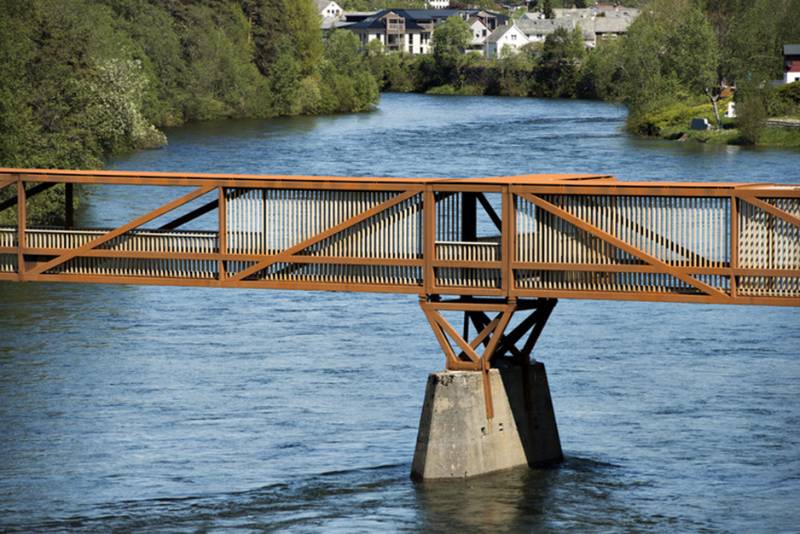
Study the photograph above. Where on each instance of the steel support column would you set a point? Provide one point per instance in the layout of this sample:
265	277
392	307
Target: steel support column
461	354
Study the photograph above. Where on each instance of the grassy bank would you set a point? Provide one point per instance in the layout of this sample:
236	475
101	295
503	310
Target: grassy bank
672	121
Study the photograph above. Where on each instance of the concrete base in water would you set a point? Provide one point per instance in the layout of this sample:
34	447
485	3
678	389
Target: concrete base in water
455	439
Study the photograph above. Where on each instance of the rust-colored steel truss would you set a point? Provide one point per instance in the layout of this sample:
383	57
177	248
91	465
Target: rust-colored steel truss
492	333
507	240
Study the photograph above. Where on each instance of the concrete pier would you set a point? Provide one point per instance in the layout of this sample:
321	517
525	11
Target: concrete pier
455	438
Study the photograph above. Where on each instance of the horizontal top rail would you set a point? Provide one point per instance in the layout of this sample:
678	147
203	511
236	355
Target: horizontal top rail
568	181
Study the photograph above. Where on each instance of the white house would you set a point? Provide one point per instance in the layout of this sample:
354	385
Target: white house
438	4
537	29
791	61
480	32
329	9
505	39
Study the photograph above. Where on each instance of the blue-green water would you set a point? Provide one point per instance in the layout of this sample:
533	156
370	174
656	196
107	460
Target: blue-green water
157	408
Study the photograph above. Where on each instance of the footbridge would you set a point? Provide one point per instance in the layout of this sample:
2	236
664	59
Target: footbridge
497	251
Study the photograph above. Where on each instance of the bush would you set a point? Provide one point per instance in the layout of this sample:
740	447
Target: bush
446	90
655	121
784	100
751	111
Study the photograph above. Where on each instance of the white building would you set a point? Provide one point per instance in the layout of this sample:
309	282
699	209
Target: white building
438	4
395	33
504	40
411	30
537	29
597	11
329	9
791	61
480	32
593	29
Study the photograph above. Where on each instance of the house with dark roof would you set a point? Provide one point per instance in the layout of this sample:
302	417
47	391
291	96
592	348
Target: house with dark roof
411	30
791	63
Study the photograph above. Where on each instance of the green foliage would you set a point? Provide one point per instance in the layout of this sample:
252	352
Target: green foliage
670	51
449	90
785	101
84	79
602	73
449	42
669	54
751	112
514	74
692	53
753	36
780	137
547	9
559	68
670	118
349	85
680	49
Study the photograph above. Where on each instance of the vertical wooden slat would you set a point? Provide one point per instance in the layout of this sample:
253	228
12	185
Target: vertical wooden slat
22	216
734	244
223	232
506	240
429	239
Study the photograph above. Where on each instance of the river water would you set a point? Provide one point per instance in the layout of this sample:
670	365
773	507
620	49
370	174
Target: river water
189	409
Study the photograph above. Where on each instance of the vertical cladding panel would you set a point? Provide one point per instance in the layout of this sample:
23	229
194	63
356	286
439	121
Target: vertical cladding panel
681	231
8	239
769	242
152	241
270	221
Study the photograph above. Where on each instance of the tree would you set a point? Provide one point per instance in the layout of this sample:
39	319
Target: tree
560	64
450	39
694	57
669	53
347	84
751	111
752	49
602	72
514	72
547	9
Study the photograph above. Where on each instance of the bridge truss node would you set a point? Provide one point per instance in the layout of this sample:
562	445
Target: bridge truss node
491	320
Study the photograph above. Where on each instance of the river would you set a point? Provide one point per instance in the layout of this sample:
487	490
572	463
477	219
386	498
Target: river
190	409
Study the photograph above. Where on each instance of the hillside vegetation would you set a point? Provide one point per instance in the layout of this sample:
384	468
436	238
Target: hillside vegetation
84	79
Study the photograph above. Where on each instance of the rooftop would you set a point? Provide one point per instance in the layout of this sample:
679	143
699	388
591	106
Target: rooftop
414	17
791	50
532	26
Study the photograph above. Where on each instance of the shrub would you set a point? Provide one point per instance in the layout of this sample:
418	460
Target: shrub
751	113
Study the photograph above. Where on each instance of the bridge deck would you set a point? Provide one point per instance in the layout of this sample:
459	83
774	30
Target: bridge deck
547	236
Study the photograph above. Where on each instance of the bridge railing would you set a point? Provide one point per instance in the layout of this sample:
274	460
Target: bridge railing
552	237
654	243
